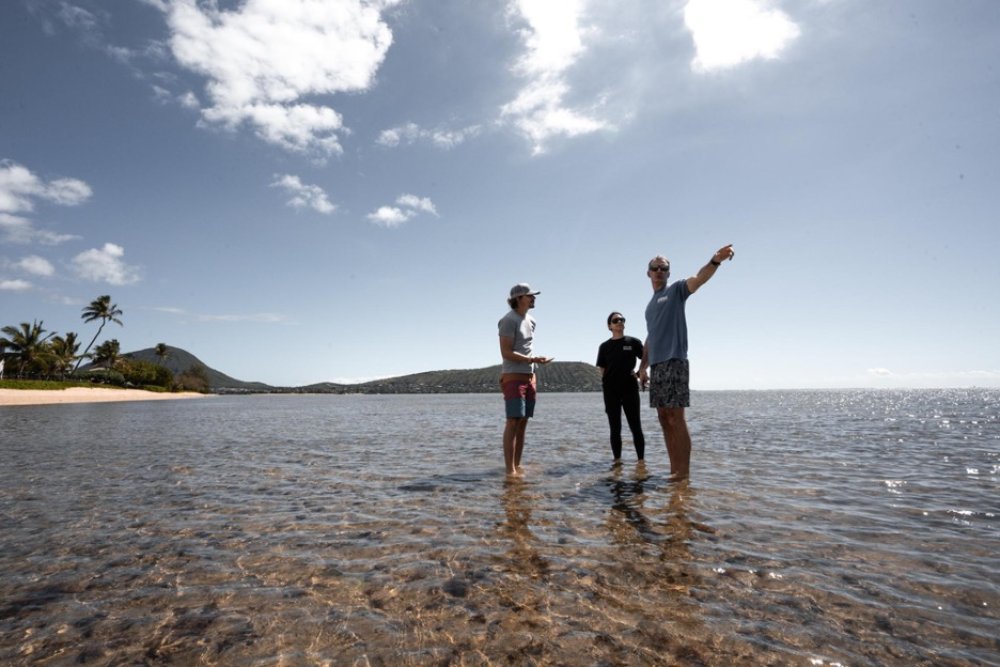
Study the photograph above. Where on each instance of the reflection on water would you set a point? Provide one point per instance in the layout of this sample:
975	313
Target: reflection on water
819	528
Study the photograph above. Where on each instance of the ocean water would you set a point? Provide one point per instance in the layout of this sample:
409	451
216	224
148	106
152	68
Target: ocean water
819	528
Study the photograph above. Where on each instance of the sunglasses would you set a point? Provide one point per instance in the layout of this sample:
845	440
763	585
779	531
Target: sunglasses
665	269
618	320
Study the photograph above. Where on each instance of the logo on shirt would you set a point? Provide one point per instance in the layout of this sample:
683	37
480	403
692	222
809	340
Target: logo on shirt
663	299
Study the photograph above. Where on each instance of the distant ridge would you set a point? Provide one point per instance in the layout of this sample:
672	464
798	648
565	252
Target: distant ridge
568	376
557	376
178	361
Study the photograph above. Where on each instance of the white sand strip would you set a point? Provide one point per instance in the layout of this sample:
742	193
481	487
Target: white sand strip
85	395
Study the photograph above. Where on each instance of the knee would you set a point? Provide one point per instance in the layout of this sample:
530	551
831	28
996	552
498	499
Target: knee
670	419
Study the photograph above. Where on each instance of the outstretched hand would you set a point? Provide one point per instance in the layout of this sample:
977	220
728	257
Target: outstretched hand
724	253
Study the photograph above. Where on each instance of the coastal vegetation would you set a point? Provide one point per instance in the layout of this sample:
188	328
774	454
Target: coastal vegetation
33	357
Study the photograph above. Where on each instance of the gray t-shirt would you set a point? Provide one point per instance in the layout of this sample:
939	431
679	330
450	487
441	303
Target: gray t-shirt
522	330
666	324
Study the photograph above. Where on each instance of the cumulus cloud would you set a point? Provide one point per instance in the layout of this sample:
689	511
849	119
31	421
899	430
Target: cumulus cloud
417	203
302	195
35	265
554	41
407	207
265	57
105	264
21	190
390	216
727	33
14	285
411	133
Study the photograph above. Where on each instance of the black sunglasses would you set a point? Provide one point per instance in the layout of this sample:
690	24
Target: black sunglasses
618	320
660	268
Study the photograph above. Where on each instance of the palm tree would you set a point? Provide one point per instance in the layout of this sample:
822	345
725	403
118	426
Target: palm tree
28	344
64	352
101	309
108	351
162	352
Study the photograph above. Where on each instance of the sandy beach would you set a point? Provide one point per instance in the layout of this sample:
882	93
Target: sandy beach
85	395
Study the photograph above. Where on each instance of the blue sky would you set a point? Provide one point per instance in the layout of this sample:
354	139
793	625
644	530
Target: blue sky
300	191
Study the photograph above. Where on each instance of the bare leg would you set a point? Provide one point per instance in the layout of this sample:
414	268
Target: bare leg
513	444
519	444
678	441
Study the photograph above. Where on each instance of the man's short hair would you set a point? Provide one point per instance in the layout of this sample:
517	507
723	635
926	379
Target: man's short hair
659	259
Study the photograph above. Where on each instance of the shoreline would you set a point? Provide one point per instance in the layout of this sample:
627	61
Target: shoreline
10	397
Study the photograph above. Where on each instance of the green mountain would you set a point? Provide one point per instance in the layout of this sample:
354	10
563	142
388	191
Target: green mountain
557	376
178	361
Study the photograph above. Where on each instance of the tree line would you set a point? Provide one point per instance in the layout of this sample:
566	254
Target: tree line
29	351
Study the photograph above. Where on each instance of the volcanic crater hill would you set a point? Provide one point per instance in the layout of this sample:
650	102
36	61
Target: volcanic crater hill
565	376
178	360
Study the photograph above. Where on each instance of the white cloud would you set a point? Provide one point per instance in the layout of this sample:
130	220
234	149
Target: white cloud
189	100
408	207
19	188
35	265
727	33
105	264
554	42
67	192
304	196
880	372
263	58
390	216
417	203
411	133
14	285
15	229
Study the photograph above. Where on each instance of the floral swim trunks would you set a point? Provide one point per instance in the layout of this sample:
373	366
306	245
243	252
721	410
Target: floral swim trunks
669	384
519	397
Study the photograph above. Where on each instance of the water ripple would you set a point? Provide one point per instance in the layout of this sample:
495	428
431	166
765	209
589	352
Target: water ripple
820	528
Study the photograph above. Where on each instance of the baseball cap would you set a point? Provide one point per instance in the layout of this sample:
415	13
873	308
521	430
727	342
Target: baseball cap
521	289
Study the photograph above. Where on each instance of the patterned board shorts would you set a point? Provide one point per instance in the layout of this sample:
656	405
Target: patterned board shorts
668	384
519	398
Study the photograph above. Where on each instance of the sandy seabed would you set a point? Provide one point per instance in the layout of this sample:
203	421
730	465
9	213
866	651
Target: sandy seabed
85	395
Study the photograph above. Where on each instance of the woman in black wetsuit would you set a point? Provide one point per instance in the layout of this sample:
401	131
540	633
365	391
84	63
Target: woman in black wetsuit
616	359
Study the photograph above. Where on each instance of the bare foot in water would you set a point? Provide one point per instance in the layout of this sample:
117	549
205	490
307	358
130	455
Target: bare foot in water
678	476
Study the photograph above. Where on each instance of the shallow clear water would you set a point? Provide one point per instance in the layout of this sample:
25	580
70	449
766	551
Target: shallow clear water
819	528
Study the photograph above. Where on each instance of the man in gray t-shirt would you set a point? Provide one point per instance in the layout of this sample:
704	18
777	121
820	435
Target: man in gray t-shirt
665	354
517	376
